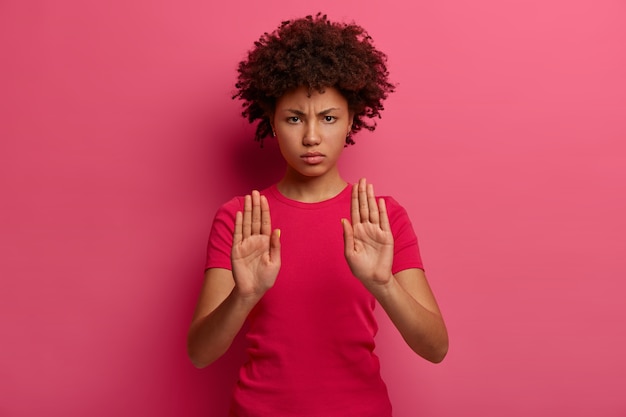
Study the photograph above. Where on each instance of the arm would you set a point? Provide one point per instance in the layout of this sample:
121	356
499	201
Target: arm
409	302
406	297
220	314
227	297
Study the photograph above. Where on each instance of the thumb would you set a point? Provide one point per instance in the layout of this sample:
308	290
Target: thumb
275	246
348	235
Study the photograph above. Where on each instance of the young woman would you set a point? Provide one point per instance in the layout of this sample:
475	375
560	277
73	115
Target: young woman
306	260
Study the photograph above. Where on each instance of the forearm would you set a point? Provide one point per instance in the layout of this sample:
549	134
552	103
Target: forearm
210	336
423	330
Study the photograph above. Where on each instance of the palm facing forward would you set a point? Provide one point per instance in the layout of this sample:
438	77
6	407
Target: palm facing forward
255	255
368	240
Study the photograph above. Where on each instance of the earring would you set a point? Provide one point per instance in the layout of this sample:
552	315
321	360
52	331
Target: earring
273	133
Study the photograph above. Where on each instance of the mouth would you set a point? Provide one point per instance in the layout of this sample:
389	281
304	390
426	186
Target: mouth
313	158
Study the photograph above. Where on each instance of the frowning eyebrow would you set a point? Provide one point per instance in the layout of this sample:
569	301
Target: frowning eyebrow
322	113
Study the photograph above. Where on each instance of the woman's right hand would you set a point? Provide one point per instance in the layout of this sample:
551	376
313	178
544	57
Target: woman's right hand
255	255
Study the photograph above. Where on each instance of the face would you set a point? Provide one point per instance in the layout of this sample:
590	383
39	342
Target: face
311	130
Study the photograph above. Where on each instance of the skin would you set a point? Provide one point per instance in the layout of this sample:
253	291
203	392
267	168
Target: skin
318	124
311	131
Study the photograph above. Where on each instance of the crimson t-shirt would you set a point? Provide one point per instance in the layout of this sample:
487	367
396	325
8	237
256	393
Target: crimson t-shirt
311	337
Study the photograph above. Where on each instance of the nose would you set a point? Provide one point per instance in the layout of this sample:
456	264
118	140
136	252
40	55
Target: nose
311	135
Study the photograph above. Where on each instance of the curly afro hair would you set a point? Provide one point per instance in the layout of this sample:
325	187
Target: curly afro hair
316	53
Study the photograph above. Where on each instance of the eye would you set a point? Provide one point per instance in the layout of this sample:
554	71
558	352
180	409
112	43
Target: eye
329	119
293	119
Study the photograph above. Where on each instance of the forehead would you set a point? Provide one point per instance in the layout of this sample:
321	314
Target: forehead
303	98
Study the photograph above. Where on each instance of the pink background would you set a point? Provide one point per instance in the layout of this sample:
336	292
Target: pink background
506	142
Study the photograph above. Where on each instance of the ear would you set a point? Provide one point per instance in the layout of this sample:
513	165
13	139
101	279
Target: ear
351	120
270	120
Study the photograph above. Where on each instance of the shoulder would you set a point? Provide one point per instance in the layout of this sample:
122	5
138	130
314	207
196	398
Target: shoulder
391	202
394	208
235	204
399	220
231	207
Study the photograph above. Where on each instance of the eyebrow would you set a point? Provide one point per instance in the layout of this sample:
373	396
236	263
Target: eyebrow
322	113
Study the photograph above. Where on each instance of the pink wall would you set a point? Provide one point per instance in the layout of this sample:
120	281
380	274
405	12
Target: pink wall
506	141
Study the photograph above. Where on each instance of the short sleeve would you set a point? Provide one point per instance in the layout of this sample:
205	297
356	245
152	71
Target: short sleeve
221	236
406	248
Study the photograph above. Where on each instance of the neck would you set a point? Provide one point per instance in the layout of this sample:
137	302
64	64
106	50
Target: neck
311	189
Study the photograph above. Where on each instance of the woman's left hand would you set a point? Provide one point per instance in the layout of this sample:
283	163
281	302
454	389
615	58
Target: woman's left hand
368	242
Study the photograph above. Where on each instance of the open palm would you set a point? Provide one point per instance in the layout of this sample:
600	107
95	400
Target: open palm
255	255
368	239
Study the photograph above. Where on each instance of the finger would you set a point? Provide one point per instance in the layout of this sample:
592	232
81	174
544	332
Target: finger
364	212
384	217
371	203
256	212
247	217
237	235
348	237
354	205
275	246
266	221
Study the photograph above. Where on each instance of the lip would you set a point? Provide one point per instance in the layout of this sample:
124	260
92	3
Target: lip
313	158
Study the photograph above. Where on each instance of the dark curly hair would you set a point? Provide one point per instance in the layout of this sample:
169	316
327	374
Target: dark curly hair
316	53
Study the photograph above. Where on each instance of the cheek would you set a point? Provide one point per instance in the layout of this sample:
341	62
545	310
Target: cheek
338	145
286	145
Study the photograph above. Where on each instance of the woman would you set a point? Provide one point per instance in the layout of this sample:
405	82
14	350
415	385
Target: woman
306	260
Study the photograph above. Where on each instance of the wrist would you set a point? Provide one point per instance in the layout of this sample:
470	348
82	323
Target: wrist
382	288
244	298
